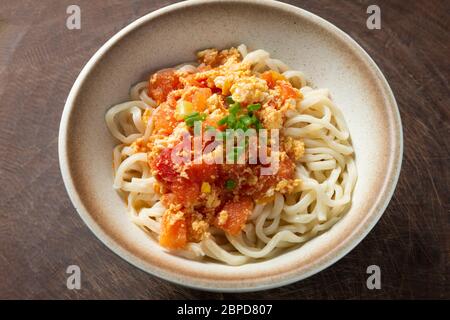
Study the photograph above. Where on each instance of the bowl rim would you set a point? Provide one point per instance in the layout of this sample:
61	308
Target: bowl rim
379	206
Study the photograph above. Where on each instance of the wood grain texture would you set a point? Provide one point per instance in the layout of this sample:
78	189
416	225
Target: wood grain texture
41	233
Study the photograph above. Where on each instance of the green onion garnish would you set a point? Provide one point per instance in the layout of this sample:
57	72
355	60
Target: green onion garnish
223	121
192	114
254	107
230	184
241	125
193	117
229	100
241	121
246	120
231	120
235	108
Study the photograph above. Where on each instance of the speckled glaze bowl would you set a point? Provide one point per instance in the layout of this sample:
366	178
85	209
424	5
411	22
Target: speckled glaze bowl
172	35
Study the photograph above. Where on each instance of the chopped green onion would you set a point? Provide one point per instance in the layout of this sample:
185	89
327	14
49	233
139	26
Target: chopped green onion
223	121
193	117
229	100
241	125
230	184
231	120
254	107
235	107
246	120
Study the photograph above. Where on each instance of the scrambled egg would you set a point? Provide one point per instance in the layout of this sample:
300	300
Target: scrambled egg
271	118
249	90
294	148
223	217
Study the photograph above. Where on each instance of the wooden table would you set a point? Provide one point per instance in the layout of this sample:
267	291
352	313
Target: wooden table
41	233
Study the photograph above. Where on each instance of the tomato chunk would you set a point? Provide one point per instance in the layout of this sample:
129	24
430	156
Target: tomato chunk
286	170
287	91
237	214
180	190
162	83
199	98
191	80
164	166
164	119
272	77
202	172
185	191
173	231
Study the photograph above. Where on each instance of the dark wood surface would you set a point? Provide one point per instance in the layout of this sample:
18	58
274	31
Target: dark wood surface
41	233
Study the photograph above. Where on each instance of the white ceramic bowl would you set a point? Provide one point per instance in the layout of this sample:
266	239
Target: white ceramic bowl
172	35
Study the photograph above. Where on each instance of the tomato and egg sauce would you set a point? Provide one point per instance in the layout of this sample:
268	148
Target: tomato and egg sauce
222	93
